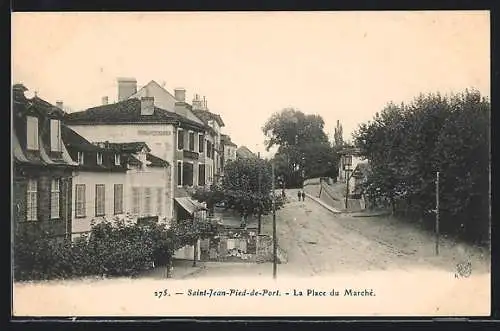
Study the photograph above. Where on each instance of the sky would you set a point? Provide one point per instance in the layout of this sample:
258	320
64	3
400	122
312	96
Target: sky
341	65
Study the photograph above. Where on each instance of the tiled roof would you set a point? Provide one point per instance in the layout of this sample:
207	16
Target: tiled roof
226	140
125	112
206	116
155	161
244	152
74	140
128	147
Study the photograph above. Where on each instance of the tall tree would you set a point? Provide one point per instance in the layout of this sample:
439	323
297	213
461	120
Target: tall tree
338	136
300	139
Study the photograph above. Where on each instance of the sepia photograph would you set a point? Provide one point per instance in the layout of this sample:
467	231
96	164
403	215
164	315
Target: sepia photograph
322	163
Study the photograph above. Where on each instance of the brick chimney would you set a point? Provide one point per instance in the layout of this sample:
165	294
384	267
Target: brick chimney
59	104
197	102
105	100
126	87
180	94
181	107
147	105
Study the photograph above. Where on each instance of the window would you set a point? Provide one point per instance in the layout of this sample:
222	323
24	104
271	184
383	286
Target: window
136	200
32	133
80	200
147	201
100	202
191	141
180	139
32	200
99	158
179	173
201	143
80	157
187	174
209	149
117	159
55	136
201	175
159	201
54	198
118	198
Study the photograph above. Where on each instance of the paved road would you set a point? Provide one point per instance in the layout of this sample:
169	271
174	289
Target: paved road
318	242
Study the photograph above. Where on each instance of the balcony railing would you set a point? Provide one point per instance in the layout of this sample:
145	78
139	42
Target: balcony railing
190	155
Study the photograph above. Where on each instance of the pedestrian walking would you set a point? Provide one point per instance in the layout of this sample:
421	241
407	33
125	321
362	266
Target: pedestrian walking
299	195
303	196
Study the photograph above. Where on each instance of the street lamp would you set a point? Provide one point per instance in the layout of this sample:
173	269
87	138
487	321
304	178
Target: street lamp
347	161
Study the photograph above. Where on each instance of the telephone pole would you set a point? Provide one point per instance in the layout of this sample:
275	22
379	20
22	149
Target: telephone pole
260	192
275	241
437	213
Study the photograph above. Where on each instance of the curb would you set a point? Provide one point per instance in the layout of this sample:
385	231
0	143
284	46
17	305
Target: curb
329	208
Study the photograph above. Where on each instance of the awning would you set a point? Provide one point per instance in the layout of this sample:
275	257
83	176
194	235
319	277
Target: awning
190	205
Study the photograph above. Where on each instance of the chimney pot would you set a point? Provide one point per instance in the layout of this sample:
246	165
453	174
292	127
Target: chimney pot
105	100
180	94
126	87
147	105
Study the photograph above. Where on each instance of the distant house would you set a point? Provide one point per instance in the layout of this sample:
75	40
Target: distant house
228	150
114	180
43	168
350	157
245	153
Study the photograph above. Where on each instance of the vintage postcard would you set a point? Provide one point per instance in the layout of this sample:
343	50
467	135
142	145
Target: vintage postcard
251	164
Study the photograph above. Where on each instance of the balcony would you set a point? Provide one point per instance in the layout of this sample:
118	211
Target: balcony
190	155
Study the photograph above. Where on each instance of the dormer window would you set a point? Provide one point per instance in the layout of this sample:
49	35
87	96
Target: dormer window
117	159
80	157
99	158
55	136
32	133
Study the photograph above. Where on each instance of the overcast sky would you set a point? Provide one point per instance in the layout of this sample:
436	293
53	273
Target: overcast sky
341	65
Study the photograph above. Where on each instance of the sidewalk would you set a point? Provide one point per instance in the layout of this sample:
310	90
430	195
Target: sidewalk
329	208
181	269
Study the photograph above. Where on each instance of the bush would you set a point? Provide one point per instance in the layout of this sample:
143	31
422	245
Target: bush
113	247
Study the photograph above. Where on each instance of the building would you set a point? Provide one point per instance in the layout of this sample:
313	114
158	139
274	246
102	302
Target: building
42	167
350	157
170	135
215	125
113	180
244	153
228	150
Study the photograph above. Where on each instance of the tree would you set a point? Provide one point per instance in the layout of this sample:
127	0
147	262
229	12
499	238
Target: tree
407	144
300	139
338	136
240	189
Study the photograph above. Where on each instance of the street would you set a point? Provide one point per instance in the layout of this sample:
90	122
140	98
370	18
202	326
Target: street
318	242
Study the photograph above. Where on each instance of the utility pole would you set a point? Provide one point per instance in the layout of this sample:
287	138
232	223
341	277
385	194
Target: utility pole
275	240
437	213
260	192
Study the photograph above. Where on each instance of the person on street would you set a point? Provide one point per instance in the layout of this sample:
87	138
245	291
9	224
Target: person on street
299	195
303	196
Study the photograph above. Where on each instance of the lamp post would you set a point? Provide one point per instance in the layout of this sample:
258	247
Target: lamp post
275	240
347	160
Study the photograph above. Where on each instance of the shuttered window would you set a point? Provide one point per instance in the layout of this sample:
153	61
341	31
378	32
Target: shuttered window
32	133
147	201
191	141
118	198
54	198
55	136
179	173
32	200
136	200
80	208
180	139
159	201
201	143
201	174
100	200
